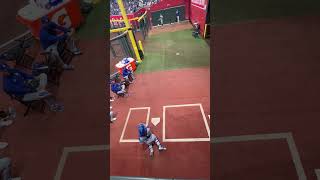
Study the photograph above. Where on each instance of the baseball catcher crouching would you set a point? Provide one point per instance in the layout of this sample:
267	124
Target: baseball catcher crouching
146	136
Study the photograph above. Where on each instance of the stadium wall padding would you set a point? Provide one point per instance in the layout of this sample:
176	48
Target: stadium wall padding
166	4
198	12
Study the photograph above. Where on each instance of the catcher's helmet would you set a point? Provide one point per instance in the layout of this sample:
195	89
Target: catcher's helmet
142	128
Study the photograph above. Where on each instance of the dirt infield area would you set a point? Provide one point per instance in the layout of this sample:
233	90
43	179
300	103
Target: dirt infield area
170	28
266	99
171	95
183	128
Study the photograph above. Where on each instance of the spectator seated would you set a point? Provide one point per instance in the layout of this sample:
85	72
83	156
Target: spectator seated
118	88
29	90
128	75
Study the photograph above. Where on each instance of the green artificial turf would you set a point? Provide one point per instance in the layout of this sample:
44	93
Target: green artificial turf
161	52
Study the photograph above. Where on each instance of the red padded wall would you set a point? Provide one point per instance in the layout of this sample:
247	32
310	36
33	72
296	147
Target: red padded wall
198	12
164	4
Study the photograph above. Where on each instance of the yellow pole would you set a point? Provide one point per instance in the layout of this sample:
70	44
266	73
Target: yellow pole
133	41
205	31
140	45
118	30
142	16
116	20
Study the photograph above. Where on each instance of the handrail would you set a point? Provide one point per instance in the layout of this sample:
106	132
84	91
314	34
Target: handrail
118	30
14	39
121	20
145	13
13	42
119	36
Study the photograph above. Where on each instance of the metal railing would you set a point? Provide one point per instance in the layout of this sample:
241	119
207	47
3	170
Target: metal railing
14	43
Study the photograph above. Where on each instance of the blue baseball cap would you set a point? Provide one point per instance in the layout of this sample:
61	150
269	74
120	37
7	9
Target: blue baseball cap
142	128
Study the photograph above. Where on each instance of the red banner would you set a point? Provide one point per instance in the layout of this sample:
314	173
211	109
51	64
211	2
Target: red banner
166	4
201	4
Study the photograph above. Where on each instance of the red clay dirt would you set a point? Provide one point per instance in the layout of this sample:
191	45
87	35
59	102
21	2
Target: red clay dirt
266	80
171	28
90	165
181	118
250	157
36	141
155	90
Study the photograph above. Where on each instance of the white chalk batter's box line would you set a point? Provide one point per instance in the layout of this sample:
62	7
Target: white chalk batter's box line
273	136
126	123
164	139
122	140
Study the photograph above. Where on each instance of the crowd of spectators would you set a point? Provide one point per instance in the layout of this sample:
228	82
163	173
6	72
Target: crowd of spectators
130	5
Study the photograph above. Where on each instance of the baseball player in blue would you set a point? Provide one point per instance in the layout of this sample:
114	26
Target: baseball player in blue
128	75
26	87
146	136
178	16
118	88
50	36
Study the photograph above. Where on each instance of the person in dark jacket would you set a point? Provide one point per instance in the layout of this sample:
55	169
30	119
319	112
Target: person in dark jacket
24	86
50	36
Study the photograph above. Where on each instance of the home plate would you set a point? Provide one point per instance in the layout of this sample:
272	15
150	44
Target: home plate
177	54
155	121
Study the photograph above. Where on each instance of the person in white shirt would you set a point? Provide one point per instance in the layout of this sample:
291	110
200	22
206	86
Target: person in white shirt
161	19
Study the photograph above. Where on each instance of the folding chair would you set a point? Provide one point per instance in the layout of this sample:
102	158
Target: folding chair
30	104
65	53
54	72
